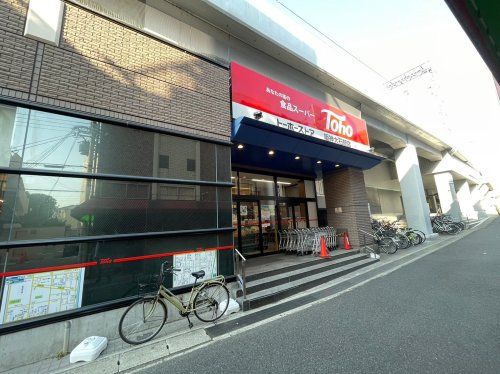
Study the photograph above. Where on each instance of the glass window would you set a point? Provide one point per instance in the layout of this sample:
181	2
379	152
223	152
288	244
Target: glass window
234	180
300	214
269	225
256	184
223	163
112	189
290	187
164	162
43	207
12	127
8	203
111	280
41	140
225	207
313	214
191	165
309	189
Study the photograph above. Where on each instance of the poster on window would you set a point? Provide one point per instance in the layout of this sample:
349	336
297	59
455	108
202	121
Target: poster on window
191	262
266	214
35	295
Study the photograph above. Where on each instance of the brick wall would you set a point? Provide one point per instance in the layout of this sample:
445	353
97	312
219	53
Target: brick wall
17	54
103	68
345	189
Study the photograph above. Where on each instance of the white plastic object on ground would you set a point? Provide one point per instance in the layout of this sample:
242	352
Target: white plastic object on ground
89	349
232	308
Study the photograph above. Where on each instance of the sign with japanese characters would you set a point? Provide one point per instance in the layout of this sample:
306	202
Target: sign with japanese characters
191	262
39	294
285	107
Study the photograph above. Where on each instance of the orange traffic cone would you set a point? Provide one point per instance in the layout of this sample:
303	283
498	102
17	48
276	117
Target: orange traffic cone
324	252
347	245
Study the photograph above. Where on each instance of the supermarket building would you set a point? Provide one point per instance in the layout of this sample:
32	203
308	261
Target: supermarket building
152	130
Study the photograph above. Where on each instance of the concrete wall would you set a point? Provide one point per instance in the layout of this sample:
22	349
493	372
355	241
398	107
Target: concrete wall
384	202
52	336
382	176
103	68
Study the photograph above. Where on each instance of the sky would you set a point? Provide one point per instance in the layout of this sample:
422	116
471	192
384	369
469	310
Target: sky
393	36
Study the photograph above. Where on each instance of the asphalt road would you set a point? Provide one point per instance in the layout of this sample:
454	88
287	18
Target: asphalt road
439	314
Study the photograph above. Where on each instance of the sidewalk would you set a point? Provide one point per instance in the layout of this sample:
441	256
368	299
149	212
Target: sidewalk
177	337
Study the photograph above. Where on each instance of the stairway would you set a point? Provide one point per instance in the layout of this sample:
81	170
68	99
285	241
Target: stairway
271	286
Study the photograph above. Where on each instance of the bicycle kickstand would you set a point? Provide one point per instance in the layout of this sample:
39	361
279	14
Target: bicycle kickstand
190	323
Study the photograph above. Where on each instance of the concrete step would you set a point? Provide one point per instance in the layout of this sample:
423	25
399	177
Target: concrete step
335	256
277	293
316	267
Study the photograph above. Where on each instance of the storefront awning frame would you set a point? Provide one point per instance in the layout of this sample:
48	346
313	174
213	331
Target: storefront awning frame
255	133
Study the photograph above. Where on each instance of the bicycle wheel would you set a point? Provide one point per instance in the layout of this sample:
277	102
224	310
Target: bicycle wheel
422	235
211	302
414	238
403	241
142	320
387	245
452	229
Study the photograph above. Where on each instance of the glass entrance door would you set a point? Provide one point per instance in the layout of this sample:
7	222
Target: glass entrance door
264	204
286	216
269	226
293	215
250	226
300	215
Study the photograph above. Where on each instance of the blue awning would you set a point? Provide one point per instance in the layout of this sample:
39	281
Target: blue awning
259	137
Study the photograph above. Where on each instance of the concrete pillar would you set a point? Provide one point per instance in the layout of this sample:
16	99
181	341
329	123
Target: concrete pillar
412	189
448	195
465	199
476	197
347	204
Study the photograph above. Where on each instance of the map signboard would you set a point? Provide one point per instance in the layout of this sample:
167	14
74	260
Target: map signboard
191	262
34	295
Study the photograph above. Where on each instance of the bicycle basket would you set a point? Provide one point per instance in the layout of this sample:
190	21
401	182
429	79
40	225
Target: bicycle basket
147	284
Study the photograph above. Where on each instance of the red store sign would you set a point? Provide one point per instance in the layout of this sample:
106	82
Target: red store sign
288	108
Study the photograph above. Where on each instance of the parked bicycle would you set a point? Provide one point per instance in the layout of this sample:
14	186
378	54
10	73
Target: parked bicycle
144	319
405	237
384	244
444	225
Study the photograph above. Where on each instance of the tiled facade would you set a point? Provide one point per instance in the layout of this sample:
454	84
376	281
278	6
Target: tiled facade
103	68
345	192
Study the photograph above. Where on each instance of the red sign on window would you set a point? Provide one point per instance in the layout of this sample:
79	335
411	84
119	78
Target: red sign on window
288	108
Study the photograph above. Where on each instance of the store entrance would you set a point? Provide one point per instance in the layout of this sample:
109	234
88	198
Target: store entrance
265	204
293	215
250	227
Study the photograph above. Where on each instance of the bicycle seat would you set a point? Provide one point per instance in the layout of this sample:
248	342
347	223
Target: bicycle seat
198	274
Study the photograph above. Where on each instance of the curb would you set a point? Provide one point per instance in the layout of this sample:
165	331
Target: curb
163	349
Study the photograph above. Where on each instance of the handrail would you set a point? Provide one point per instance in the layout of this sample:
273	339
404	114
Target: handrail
239	253
239	269
367	248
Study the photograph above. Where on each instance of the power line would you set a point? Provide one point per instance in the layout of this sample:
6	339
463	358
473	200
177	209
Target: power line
332	41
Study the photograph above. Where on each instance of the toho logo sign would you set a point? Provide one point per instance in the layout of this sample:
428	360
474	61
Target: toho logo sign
335	123
253	93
